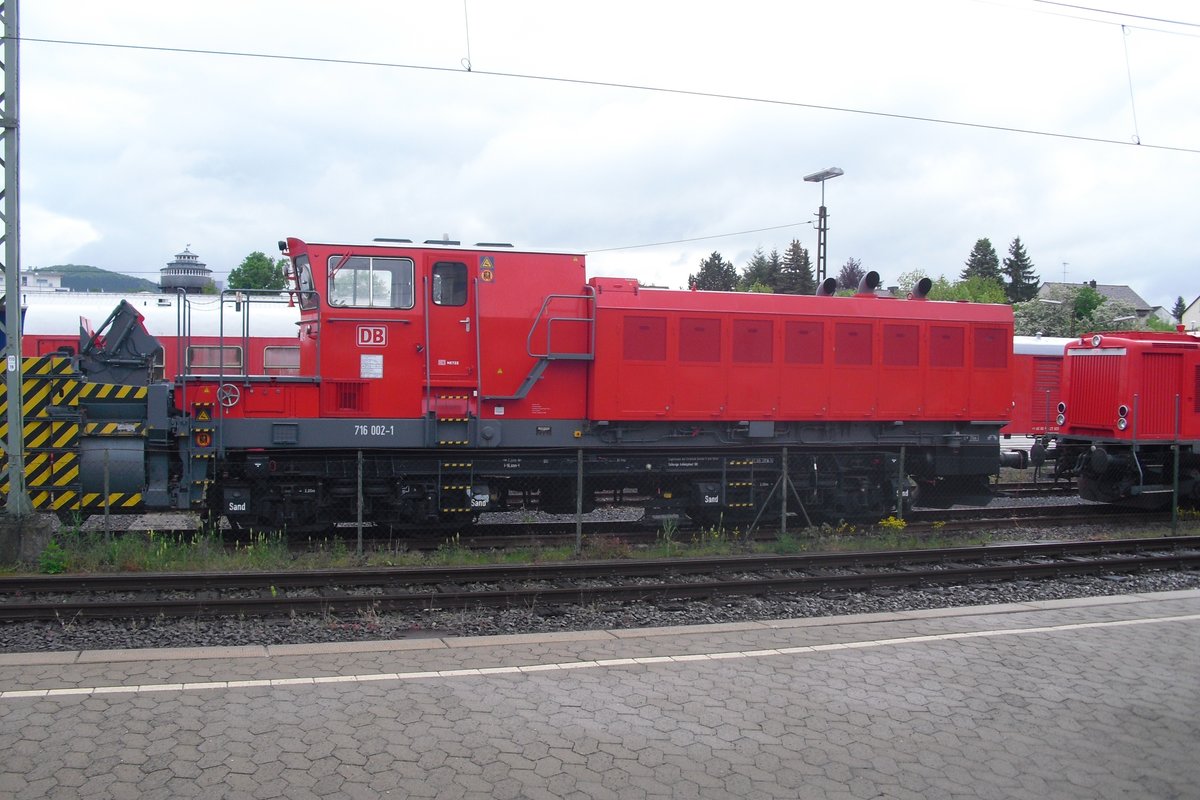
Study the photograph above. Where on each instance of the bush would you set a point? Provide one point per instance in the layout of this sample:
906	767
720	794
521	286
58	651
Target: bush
53	559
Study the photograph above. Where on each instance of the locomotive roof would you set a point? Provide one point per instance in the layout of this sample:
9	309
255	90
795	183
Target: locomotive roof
1149	338
626	293
1041	345
444	244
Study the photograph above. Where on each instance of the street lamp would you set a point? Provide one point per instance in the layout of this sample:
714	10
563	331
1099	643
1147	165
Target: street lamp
821	177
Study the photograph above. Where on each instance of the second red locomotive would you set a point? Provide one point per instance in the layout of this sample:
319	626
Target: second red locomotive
1129	418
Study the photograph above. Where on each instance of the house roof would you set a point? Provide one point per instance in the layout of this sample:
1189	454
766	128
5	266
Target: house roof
1110	291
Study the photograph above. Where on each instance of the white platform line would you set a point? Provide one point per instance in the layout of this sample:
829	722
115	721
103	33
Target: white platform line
805	650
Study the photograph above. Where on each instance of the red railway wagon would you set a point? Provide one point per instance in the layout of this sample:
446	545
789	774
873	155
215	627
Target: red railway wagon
1037	376
1128	399
236	334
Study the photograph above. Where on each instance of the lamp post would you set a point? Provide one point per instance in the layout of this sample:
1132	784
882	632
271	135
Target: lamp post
821	177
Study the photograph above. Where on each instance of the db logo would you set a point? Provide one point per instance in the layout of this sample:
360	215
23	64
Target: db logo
372	336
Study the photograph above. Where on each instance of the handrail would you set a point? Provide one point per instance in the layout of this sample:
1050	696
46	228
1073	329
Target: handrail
589	297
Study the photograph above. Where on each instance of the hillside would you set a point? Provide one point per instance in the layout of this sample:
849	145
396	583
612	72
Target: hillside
82	278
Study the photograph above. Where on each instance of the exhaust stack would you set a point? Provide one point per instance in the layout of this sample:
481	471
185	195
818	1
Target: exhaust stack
921	290
827	288
868	283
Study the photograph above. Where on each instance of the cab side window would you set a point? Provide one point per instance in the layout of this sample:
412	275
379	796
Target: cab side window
449	283
366	282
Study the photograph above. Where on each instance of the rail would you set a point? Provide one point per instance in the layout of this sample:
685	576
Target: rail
548	584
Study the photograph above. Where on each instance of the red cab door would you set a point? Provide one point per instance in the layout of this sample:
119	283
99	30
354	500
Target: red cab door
451	310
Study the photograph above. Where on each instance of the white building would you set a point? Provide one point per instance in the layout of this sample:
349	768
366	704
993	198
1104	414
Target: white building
42	282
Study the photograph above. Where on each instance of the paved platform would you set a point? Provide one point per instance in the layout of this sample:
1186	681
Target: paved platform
1064	699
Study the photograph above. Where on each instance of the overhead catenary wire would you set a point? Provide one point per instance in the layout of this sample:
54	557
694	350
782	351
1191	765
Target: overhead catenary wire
620	85
1137	136
696	238
1119	13
466	62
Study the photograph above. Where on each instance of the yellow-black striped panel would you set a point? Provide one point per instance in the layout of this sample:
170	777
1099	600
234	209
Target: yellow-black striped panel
55	499
114	429
56	435
117	501
47	365
111	391
52	469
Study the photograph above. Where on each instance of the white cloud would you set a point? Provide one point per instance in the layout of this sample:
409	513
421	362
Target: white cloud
43	231
151	150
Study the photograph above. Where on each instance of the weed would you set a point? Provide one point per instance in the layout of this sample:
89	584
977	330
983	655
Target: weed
53	559
451	551
666	536
606	547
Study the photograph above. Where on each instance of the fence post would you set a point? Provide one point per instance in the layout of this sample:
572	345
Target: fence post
784	484
107	526
900	486
578	501
360	503
1175	483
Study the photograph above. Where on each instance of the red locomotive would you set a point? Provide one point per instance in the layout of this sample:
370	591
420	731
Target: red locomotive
438	381
472	378
1129	408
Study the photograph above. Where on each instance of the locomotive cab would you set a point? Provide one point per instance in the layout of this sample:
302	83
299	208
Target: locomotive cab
1129	403
438	331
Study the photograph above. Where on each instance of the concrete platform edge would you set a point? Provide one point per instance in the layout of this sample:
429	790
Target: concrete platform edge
331	648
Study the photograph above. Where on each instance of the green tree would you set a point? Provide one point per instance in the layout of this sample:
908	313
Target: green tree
1023	282
1073	311
1177	311
796	277
909	280
257	271
983	262
716	274
1085	302
975	289
762	271
852	273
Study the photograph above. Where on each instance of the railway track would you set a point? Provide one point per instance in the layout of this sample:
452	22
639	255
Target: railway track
266	594
549	531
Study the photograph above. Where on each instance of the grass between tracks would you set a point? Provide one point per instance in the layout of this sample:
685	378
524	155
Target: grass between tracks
75	551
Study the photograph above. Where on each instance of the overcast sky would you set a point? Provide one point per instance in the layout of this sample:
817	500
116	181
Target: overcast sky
563	134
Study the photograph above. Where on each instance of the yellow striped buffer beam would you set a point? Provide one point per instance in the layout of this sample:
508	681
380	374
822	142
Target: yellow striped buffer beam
84	441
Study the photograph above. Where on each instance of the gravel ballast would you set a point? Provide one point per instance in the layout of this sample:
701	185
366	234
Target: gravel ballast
66	635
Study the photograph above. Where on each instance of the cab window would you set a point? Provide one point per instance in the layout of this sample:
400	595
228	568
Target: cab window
367	282
308	295
449	283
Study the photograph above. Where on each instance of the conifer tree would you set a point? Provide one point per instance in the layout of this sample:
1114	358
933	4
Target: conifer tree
758	274
1022	282
797	274
716	274
983	262
852	274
